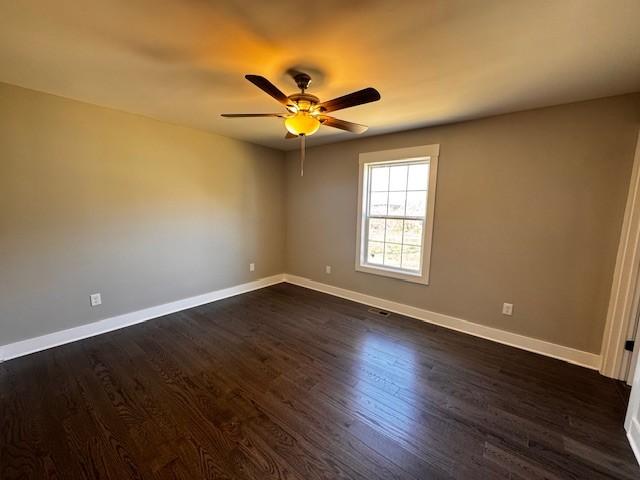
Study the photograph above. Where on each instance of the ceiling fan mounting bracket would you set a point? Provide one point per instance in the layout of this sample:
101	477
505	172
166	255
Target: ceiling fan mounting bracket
303	80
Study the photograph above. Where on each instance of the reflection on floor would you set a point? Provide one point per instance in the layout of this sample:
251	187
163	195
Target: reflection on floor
287	383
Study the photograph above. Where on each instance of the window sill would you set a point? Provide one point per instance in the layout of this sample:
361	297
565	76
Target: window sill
398	275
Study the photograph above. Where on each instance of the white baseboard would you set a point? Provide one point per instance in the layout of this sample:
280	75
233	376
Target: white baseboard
568	354
634	437
32	345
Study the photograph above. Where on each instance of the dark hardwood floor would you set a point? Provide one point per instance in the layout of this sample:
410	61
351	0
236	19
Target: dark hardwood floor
288	383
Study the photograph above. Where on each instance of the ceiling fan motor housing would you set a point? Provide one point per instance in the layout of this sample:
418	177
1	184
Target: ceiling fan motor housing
304	101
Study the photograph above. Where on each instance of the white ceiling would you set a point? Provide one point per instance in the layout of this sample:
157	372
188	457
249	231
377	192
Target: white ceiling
434	62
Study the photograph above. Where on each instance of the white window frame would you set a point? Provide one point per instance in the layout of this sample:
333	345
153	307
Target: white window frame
401	155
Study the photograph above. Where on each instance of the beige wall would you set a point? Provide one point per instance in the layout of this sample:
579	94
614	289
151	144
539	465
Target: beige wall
528	210
95	200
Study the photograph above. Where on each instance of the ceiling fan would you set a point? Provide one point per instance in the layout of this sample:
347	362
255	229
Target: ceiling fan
305	113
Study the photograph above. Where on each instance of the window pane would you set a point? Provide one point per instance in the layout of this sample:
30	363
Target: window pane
379	178
392	254
394	231
376	229
411	257
378	203
395	190
418	177
412	232
396	203
375	253
416	204
398	178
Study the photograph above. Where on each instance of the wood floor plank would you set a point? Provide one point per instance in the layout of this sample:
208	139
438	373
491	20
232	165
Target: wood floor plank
287	383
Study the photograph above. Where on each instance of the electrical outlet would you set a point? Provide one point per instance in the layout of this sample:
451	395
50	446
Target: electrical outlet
252	267
507	309
95	299
327	269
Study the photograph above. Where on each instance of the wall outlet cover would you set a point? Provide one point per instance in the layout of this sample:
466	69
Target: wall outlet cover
95	299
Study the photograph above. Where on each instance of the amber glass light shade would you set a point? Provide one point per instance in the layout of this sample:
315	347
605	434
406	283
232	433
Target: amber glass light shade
302	124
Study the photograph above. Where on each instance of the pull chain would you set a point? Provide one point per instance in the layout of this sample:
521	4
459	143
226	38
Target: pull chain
302	154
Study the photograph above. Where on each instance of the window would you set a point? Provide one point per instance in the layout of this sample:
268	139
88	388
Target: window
396	197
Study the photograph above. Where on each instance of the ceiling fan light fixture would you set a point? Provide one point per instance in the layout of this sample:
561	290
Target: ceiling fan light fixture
302	123
305	112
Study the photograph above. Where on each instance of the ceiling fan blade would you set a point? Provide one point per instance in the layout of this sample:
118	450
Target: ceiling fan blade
360	97
268	87
290	135
343	124
242	115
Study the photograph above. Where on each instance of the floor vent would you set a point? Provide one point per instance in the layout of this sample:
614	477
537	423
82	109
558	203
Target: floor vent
379	312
